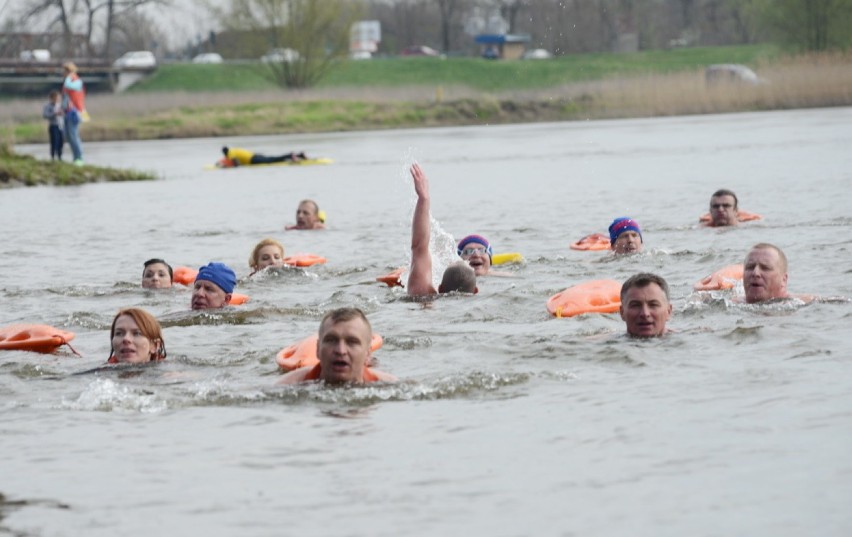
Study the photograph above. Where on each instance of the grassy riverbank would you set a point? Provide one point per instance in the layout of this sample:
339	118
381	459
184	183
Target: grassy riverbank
24	170
424	92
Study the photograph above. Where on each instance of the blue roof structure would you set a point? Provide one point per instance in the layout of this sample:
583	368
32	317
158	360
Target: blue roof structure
500	39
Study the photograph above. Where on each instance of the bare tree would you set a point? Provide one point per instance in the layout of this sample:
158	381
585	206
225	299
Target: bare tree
448	10
57	12
810	24
509	10
64	13
317	30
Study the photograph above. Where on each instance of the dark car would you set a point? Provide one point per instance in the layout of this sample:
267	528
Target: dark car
419	50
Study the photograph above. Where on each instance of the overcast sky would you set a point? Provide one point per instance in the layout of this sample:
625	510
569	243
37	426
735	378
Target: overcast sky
183	20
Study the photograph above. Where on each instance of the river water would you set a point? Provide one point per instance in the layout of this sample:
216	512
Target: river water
507	421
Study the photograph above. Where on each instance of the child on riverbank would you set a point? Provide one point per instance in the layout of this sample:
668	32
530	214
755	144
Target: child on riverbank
53	114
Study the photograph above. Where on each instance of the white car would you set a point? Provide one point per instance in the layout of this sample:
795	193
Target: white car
280	55
35	55
137	58
208	57
537	54
722	73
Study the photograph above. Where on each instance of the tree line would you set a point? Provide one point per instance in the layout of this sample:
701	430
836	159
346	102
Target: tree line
318	30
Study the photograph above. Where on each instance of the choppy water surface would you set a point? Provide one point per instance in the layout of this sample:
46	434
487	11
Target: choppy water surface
507	422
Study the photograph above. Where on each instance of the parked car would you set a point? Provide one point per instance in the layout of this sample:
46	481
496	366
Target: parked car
35	55
137	58
419	50
491	53
208	57
279	55
537	54
730	72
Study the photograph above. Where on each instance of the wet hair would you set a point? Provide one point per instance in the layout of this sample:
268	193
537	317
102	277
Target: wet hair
725	192
154	261
253	260
148	325
312	202
767	246
342	315
458	277
644	279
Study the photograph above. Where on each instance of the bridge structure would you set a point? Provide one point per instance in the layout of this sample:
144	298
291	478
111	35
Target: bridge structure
19	77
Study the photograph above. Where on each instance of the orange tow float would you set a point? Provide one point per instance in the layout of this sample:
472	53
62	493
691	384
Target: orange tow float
724	278
304	260
34	337
304	353
742	216
595	241
393	278
596	296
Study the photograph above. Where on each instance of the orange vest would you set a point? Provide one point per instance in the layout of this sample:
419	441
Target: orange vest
75	96
316	372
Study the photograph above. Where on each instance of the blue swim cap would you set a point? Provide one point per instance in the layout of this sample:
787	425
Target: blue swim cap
220	274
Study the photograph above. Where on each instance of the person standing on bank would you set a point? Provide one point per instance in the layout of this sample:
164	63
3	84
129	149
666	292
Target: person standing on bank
52	112
74	104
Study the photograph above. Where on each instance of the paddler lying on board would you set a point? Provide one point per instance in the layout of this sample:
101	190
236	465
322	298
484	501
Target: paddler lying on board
243	157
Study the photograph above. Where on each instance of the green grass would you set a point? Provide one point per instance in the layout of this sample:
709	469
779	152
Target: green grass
473	72
25	170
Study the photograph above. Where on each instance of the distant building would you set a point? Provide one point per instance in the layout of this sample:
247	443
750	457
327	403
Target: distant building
502	46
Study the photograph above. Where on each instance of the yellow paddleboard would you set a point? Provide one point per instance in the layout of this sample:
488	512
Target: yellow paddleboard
305	162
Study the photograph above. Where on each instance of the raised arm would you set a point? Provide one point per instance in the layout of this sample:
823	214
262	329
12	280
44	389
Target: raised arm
420	274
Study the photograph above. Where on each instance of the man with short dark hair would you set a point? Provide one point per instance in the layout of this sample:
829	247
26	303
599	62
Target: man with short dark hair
645	305
723	208
343	349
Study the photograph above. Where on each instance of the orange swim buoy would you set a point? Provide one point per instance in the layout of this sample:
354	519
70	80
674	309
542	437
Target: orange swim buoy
742	216
393	278
595	241
724	278
184	275
304	353
596	296
34	337
304	260
238	299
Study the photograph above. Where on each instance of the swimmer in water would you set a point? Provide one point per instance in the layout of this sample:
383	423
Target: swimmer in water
308	216
477	251
213	286
625	236
343	349
458	276
136	337
266	253
723	208
645	305
157	274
